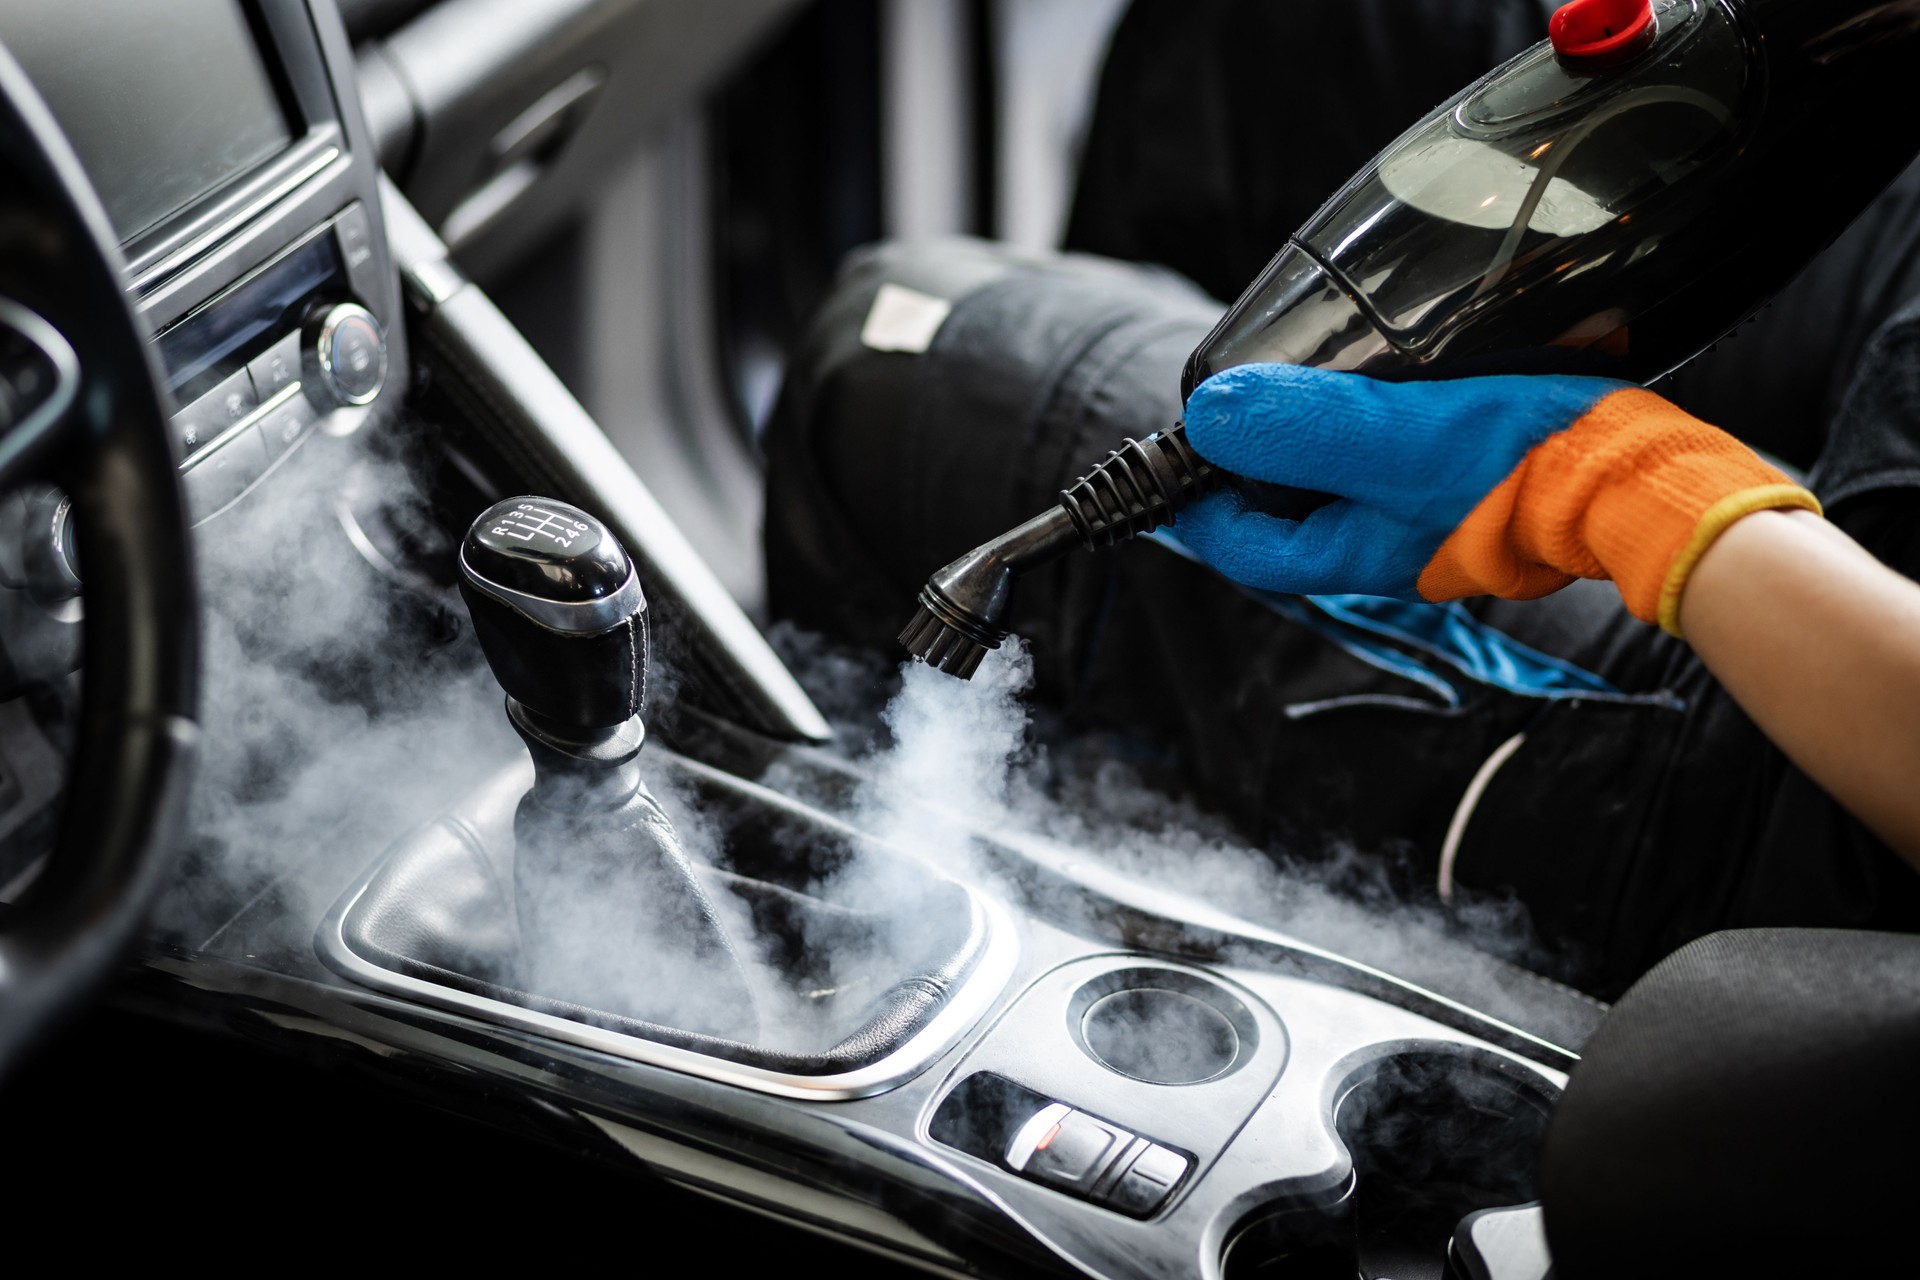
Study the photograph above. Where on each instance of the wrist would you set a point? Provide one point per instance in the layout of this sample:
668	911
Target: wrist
1779	499
1747	551
1638	490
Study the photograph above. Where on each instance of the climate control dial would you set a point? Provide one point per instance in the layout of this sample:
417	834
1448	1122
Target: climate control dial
351	352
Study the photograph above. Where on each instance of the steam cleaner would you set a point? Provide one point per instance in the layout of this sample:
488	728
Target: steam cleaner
1609	203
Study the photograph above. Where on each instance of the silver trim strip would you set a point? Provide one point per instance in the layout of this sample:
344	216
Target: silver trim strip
581	617
1112	885
239	218
976	995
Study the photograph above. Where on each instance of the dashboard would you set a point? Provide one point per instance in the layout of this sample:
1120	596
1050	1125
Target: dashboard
236	172
225	140
121	97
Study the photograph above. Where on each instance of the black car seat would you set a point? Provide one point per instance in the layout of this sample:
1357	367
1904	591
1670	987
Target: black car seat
1749	1108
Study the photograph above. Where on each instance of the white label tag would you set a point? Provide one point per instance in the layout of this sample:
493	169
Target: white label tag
903	319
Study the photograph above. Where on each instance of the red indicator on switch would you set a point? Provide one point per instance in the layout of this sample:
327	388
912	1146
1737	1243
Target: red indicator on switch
1047	1141
1600	28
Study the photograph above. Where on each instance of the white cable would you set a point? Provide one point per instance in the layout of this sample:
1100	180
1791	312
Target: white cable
1469	800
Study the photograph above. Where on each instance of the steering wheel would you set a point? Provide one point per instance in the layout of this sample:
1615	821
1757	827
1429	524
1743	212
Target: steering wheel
81	408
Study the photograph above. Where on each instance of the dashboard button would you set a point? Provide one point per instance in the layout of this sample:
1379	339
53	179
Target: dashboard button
1147	1183
192	429
1039	1127
276	368
232	400
285	425
201	422
353	230
1065	1148
219	476
1137	1195
1161	1165
1078	1151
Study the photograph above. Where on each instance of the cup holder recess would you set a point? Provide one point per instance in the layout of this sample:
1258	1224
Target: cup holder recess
1436	1133
1162	1026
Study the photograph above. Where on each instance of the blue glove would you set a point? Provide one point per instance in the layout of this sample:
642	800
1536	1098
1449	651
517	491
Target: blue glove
1509	486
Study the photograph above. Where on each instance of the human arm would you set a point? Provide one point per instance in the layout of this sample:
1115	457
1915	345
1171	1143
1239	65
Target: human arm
1515	486
1820	644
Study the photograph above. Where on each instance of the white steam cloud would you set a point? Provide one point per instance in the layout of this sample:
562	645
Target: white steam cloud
960	757
336	708
343	706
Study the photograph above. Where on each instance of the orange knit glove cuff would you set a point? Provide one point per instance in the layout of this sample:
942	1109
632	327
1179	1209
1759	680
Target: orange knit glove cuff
1635	490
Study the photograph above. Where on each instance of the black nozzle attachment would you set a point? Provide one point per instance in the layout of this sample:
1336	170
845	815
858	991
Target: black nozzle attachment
1139	487
1142	485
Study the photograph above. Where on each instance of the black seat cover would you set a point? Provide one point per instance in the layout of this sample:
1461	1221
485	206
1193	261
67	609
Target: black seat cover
1750	1107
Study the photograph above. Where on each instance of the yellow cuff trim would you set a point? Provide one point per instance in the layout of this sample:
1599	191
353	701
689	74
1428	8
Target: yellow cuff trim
1767	497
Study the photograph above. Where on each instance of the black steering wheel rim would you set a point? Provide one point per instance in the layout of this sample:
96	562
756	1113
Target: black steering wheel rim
126	785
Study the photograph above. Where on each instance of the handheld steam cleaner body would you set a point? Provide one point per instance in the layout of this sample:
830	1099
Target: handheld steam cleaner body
1610	202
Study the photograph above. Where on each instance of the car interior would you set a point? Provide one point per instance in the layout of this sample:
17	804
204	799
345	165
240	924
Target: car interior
403	780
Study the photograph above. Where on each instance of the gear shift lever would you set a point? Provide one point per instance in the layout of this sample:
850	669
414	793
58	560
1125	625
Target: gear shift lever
611	913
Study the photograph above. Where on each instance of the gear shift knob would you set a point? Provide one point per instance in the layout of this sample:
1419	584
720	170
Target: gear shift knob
556	604
559	613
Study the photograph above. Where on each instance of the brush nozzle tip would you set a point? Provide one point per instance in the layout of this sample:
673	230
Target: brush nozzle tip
940	644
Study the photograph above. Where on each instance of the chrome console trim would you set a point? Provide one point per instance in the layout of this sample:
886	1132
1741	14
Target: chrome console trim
324	353
570	617
969	1004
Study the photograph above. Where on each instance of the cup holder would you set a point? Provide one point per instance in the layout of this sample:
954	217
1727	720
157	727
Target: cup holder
1162	1026
1435	1135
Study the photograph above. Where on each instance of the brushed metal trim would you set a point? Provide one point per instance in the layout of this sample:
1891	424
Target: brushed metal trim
970	1003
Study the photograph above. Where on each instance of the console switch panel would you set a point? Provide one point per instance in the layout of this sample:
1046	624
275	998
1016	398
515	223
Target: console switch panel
1073	1152
1065	1148
1057	1145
